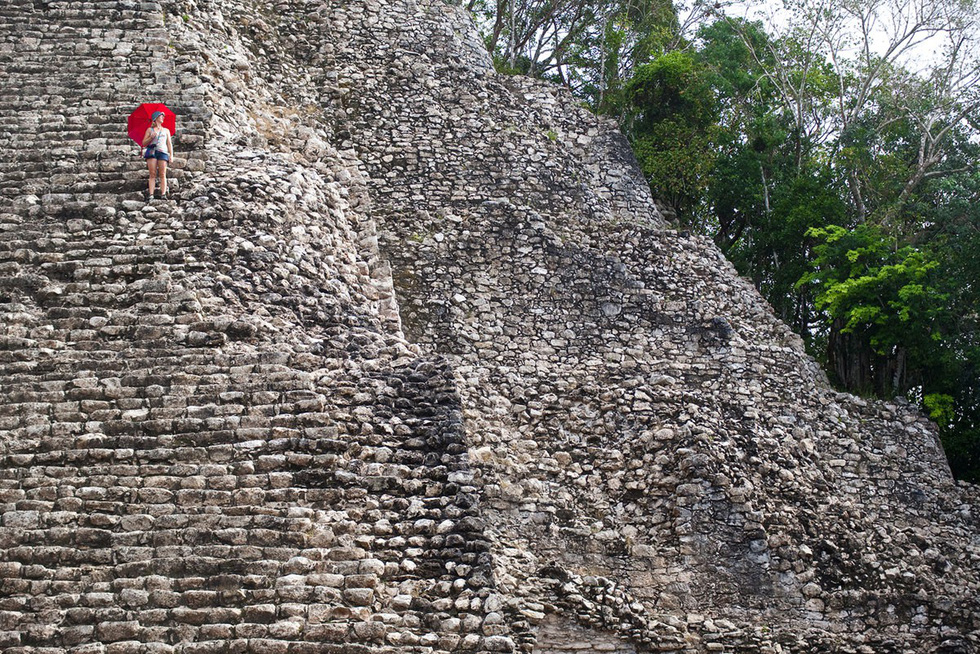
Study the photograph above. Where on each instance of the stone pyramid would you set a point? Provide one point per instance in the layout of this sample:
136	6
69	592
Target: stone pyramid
412	362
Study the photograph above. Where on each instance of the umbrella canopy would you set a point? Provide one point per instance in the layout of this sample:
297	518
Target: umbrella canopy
140	119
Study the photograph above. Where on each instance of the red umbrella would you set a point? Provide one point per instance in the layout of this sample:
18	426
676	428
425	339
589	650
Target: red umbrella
141	119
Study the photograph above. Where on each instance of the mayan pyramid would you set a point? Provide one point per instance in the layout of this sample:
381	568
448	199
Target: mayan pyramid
410	363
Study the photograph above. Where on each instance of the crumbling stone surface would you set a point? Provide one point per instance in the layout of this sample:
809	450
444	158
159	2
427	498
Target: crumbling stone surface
414	363
634	410
213	436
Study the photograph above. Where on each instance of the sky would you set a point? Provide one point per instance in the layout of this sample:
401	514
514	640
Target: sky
892	20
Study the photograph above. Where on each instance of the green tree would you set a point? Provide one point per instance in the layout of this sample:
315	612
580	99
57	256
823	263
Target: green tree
858	178
904	321
950	223
630	34
776	252
886	309
590	46
671	112
768	186
847	67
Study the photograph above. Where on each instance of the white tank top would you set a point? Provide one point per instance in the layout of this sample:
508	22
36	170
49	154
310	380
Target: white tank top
161	140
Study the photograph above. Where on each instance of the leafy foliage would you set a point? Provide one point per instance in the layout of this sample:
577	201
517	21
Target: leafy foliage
889	304
590	46
672	111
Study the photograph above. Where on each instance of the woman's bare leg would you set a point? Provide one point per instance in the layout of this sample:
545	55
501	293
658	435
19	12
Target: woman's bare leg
162	167
152	164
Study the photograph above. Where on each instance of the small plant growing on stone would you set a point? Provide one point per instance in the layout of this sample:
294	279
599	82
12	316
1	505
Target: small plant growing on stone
552	135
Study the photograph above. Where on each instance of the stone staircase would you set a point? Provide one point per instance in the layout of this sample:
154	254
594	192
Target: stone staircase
208	441
71	78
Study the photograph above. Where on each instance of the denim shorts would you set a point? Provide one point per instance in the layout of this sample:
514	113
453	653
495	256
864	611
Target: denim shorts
156	154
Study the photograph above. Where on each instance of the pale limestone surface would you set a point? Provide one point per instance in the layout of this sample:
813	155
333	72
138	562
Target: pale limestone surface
414	363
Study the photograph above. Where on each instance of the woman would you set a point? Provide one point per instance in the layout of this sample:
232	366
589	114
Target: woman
159	150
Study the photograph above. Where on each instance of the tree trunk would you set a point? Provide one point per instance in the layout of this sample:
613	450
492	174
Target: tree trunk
850	359
890	374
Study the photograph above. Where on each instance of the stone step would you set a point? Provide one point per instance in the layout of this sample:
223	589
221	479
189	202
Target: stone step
65	143
83	14
113	186
74	168
102	126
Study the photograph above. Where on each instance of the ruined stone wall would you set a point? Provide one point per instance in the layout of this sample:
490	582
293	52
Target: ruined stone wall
635	412
555	636
415	363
